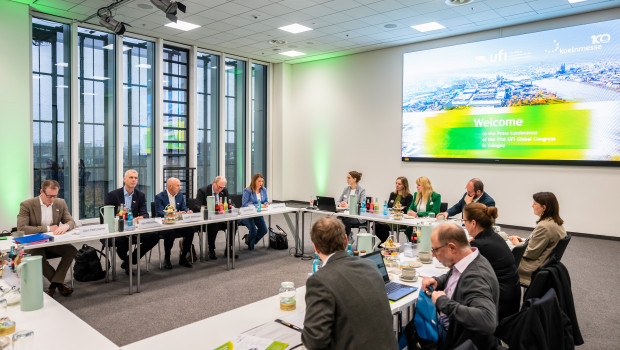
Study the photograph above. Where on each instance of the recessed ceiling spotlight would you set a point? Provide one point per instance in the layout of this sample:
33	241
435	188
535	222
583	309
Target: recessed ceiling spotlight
390	26
295	28
427	27
459	2
145	6
277	42
575	1
292	53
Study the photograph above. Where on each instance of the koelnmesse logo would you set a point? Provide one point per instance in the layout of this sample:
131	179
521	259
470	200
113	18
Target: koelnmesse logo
597	40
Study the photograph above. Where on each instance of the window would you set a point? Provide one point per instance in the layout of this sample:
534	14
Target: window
51	110
138	112
235	124
97	170
208	116
176	141
259	119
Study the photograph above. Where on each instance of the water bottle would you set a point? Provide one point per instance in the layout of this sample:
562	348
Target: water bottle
259	206
316	263
349	250
130	226
363	207
385	208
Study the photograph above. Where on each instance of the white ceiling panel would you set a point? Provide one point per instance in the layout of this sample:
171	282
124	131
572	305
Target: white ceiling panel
244	27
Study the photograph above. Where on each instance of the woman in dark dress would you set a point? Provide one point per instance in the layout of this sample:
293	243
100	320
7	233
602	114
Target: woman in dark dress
479	222
400	195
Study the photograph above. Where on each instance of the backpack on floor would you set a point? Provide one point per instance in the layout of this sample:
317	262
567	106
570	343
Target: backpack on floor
278	239
87	265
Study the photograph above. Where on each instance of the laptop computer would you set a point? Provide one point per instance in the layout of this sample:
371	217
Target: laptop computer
394	290
328	204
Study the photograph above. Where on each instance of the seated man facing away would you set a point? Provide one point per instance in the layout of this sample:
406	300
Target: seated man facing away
48	213
475	194
136	200
172	196
346	302
467	296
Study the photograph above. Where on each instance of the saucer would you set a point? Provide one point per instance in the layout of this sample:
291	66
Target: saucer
415	264
415	279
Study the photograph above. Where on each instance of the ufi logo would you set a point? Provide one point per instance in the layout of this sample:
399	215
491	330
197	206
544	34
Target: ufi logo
501	55
600	39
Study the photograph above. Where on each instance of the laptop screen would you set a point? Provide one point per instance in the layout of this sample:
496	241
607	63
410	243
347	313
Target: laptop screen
377	259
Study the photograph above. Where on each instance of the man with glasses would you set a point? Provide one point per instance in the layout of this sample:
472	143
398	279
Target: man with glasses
466	297
48	213
132	198
218	190
475	194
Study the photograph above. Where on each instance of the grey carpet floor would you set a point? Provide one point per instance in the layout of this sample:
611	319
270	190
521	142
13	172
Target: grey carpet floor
174	298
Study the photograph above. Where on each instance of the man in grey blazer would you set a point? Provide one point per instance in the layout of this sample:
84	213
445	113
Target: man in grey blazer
467	297
48	213
346	302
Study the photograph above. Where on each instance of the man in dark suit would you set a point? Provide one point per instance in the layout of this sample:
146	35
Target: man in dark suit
466	297
136	200
48	213
346	302
172	196
218	190
475	193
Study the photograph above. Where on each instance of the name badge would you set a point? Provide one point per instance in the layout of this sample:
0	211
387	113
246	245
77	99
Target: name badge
191	217
94	230
247	210
278	206
150	222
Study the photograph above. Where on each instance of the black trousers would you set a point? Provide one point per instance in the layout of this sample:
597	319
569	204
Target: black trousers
382	231
212	230
350	223
147	242
187	233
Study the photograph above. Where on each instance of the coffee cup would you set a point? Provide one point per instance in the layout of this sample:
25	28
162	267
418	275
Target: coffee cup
409	273
425	257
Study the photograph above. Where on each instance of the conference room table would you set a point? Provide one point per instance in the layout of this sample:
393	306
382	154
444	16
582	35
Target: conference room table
54	326
75	237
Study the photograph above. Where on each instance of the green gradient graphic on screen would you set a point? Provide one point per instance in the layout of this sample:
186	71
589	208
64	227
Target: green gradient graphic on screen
557	131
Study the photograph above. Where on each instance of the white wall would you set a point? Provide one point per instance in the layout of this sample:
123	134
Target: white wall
345	114
15	118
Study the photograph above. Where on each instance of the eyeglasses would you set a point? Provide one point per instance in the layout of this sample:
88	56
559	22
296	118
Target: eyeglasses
50	196
435	250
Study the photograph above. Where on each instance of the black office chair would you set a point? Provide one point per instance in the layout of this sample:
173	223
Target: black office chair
518	251
443	207
560	248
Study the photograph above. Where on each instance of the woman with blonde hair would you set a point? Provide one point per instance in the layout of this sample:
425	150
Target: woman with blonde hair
401	196
425	201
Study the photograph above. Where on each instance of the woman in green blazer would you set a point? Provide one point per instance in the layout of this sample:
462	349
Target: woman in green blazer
425	201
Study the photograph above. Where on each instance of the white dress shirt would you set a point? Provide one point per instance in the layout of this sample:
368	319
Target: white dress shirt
46	215
172	201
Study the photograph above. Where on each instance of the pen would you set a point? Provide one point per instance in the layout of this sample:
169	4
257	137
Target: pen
289	325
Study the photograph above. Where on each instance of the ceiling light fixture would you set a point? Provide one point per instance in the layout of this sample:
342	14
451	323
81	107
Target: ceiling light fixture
295	28
427	27
106	20
459	2
292	53
170	8
575	1
182	25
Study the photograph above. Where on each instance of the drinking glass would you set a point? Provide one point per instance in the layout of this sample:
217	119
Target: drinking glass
23	340
431	215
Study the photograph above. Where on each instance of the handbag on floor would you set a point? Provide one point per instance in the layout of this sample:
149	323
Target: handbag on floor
192	257
425	318
278	239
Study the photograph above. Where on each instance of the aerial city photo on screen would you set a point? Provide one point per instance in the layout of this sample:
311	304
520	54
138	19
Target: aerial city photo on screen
552	95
